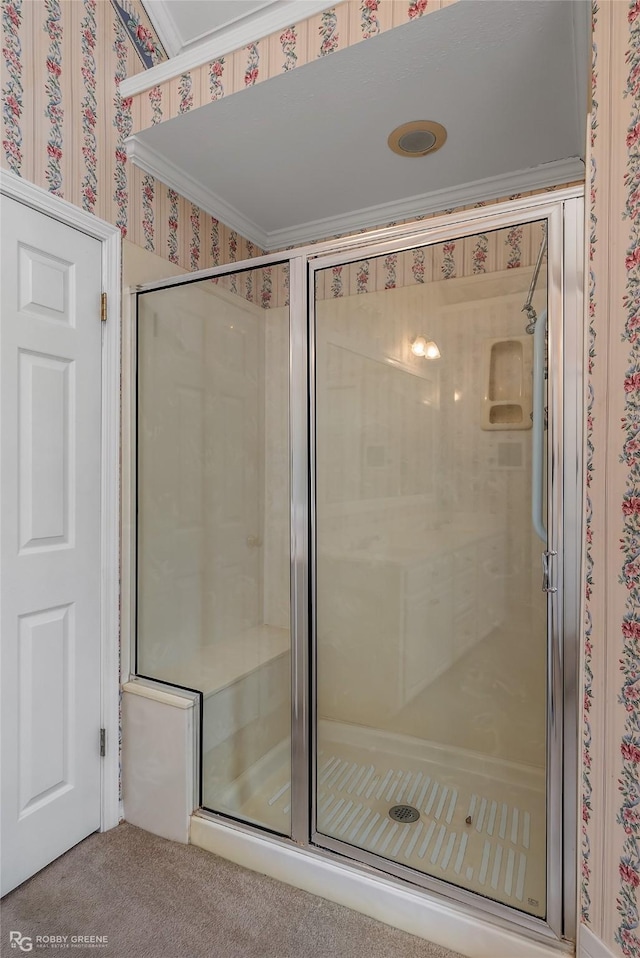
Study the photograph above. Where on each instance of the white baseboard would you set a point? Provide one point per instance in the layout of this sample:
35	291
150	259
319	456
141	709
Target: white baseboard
590	946
427	917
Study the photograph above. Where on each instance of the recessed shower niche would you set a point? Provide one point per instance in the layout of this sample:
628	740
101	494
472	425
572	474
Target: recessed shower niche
507	401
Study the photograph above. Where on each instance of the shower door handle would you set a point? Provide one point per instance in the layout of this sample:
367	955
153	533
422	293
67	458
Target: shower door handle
546	572
537	455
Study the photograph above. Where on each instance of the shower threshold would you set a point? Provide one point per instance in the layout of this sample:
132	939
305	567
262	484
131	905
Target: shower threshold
481	823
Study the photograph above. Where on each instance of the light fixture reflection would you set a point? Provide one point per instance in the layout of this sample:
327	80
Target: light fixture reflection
428	350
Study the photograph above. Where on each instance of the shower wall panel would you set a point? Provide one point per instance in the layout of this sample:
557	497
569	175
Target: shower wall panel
199	440
171	513
214	525
276	568
416	496
430	626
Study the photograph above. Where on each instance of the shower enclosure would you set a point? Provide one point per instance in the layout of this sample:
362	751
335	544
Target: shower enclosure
359	497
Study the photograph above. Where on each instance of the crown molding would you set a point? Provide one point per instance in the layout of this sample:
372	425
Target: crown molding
244	19
154	163
541	177
556	173
234	36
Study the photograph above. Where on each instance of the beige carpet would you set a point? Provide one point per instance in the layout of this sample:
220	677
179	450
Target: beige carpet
158	899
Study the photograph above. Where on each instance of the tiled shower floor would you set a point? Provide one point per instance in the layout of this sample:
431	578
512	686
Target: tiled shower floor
481	824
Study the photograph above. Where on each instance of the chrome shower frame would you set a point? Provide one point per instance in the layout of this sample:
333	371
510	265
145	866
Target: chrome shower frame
564	219
563	211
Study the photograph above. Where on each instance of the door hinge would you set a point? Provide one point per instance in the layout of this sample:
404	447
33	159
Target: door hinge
103	307
103	742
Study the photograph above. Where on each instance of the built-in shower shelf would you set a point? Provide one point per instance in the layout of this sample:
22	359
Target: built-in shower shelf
507	399
214	667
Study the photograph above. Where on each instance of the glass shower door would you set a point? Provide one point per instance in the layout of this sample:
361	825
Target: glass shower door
431	624
213	530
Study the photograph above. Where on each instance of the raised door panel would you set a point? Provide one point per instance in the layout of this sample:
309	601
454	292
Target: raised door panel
46	285
45	440
47	715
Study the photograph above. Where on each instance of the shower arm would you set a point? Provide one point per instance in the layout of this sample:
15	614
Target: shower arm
528	306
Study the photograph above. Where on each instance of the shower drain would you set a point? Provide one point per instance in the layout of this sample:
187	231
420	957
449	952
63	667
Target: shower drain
404	813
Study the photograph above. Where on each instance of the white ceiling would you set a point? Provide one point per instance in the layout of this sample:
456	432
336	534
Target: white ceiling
182	24
304	155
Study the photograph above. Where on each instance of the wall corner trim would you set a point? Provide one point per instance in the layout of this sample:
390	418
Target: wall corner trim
221	42
590	946
165	27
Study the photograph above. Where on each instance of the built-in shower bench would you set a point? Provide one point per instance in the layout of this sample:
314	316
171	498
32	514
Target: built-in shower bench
243	679
214	667
245	683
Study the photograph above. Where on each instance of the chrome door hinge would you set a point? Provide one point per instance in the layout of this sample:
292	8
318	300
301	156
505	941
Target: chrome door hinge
546	572
103	742
103	307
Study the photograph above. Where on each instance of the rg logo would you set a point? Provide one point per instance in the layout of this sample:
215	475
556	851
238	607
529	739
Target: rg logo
20	941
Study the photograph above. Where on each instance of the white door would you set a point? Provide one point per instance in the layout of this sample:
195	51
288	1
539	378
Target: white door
50	473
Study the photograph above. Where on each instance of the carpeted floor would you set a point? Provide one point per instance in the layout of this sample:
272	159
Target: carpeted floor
157	899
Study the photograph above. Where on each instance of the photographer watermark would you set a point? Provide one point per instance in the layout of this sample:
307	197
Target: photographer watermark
56	942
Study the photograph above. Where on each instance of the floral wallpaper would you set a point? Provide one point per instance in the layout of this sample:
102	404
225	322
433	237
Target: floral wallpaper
89	107
610	800
54	110
587	697
269	288
484	253
628	817
337	27
12	86
64	123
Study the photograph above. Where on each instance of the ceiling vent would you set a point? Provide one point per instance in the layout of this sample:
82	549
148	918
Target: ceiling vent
417	138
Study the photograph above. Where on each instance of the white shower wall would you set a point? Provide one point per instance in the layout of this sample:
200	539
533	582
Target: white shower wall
213	517
276	567
424	531
424	539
